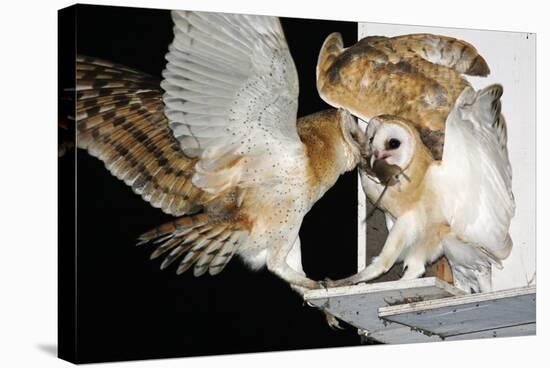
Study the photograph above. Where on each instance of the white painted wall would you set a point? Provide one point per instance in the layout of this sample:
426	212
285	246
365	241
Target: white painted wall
511	58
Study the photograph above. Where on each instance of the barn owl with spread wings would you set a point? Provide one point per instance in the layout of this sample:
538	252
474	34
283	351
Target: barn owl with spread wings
217	143
460	207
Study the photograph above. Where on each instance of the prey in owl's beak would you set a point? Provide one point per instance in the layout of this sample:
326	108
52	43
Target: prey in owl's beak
374	163
387	174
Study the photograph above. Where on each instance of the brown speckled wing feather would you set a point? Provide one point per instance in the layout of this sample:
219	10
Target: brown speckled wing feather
417	77
120	120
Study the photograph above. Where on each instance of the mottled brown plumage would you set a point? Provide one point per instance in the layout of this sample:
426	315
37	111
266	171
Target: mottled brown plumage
417	77
120	120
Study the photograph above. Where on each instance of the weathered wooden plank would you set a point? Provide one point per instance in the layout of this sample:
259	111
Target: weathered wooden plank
501	313
521	330
358	305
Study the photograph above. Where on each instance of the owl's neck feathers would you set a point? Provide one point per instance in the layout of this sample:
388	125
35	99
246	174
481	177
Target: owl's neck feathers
403	196
328	153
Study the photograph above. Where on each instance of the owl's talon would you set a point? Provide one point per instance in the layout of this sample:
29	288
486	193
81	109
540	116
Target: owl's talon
339	283
332	321
328	283
323	284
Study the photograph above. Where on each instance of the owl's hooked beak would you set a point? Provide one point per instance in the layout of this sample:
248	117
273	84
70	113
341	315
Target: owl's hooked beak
378	155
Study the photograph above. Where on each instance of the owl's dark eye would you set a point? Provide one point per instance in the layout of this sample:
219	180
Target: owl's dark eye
393	144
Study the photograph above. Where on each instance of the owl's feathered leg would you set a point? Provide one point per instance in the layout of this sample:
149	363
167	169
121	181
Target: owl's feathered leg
395	243
277	264
294	260
415	269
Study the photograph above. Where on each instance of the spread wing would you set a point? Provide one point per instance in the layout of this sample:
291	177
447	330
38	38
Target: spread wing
231	98
417	76
120	120
474	180
227	112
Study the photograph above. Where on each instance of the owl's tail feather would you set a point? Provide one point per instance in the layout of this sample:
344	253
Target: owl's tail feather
471	263
208	245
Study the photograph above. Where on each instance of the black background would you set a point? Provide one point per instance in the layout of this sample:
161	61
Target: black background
127	308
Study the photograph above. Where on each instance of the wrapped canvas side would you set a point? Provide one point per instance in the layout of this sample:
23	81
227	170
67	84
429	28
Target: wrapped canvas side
66	171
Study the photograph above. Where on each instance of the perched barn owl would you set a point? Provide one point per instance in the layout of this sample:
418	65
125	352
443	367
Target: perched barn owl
417	77
460	207
219	147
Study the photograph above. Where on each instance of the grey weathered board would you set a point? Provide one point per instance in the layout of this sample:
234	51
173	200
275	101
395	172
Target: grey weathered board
358	305
502	313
